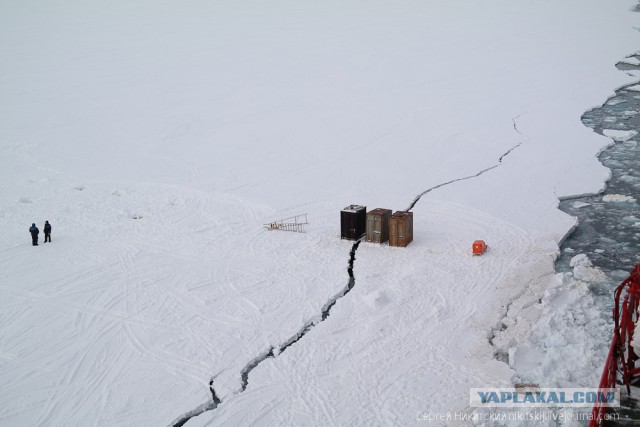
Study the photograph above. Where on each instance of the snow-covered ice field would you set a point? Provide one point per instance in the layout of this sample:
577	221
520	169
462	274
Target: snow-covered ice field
158	138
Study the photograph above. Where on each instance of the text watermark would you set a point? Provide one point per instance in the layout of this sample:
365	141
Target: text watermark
535	415
543	397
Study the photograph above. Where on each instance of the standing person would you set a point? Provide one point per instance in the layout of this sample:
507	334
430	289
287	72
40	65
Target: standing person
34	234
47	232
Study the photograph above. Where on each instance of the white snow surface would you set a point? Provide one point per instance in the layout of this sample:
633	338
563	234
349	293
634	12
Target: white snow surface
158	138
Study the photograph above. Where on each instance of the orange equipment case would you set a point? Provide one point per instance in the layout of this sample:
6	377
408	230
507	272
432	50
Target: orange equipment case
479	247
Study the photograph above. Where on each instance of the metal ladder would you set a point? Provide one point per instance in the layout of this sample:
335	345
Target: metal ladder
294	223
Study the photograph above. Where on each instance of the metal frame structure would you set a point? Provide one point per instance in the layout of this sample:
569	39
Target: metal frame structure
621	355
294	223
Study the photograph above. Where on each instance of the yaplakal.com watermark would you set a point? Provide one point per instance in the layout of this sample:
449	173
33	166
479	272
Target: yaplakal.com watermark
543	397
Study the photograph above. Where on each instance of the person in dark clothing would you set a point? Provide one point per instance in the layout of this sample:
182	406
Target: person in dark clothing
47	232
34	234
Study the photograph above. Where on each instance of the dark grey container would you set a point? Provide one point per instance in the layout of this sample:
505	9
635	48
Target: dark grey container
353	221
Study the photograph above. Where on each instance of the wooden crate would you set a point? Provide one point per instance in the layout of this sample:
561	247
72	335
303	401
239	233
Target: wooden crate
401	229
378	225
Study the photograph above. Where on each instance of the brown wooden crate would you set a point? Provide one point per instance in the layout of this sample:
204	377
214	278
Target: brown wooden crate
401	229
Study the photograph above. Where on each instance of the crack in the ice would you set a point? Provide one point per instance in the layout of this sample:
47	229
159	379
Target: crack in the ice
419	196
475	175
310	324
253	363
208	406
274	352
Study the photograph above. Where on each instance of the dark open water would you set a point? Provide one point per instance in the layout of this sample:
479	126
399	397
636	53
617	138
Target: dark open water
609	232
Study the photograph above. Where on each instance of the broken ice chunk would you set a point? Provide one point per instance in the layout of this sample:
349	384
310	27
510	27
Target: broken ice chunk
619	135
579	205
631	60
589	274
618	198
580	260
616	101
